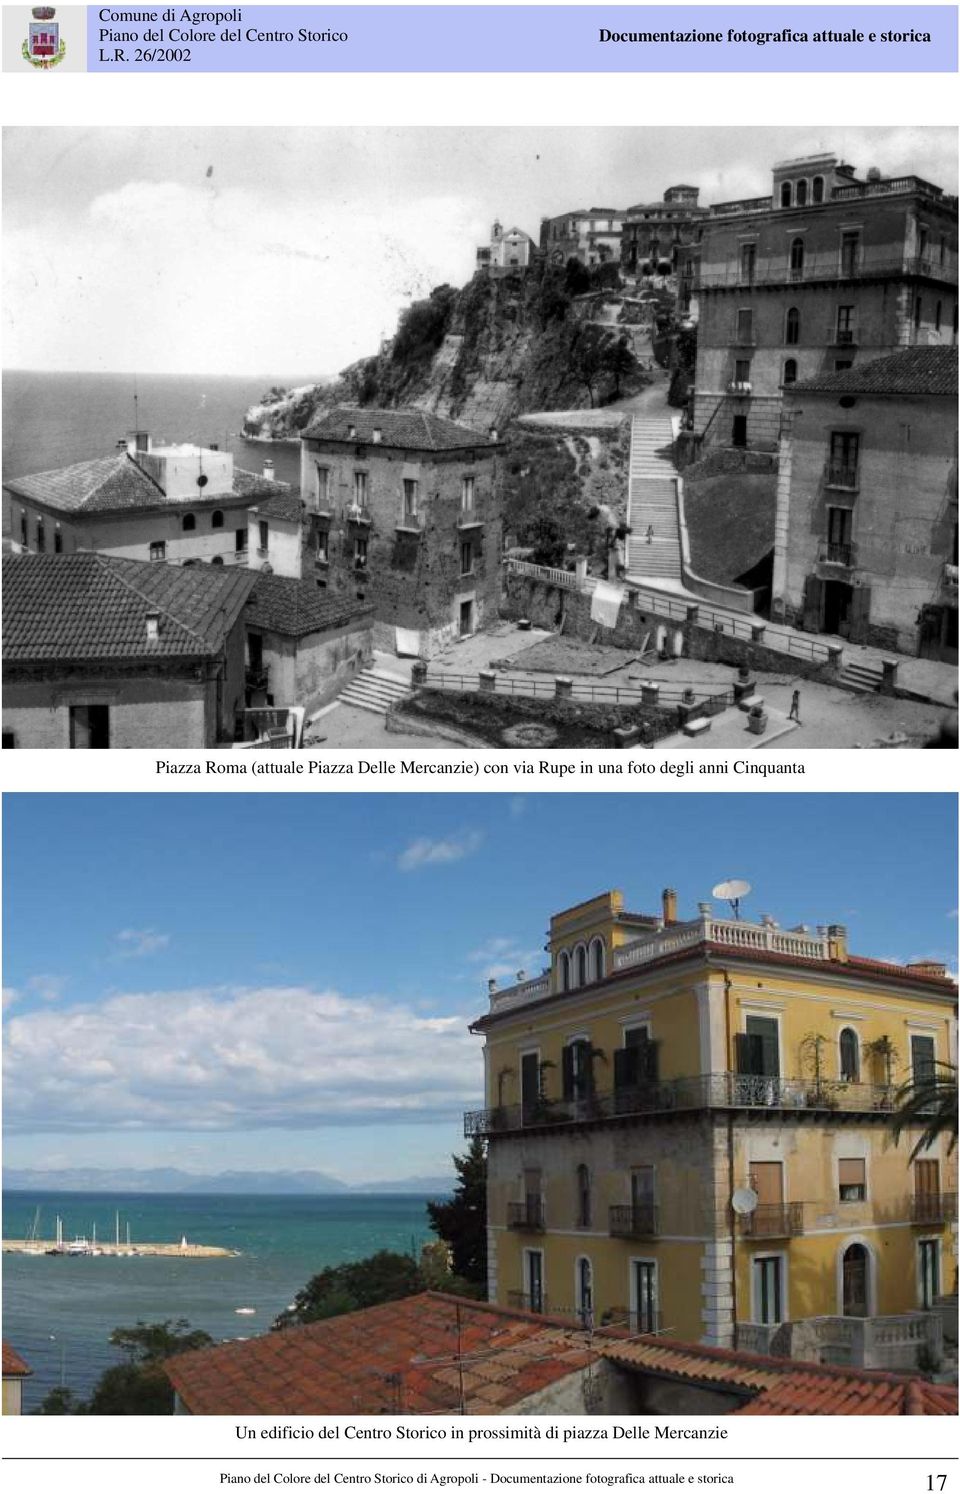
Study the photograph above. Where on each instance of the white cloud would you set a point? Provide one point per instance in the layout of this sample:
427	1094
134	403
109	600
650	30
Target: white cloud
47	987
136	942
427	852
234	1059
499	958
10	996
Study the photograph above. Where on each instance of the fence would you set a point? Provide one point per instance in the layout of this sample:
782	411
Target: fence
534	687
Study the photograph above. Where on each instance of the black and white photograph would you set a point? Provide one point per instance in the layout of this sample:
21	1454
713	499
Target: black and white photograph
638	438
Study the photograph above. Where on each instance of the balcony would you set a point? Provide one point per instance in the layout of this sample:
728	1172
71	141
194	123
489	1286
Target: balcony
775	272
469	518
831	553
257	679
726	1091
842	475
844	337
739	386
772	1222
356	513
933	1208
634	1221
527	1216
410	524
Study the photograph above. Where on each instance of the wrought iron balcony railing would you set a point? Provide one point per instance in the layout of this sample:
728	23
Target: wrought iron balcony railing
698	1092
842	475
773	1221
528	1215
779	272
356	513
844	337
525	1302
933	1208
634	1221
836	554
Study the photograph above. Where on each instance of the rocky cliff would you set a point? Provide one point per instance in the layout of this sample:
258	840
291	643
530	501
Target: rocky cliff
550	339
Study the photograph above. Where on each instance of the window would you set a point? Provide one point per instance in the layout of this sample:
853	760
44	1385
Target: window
923	1057
938	316
818	189
57	540
410	497
41	536
802	192
581	965
928	1252
467	492
466	558
849	1042
90	726
796	258
360	489
790	371
577	1069
917	313
323	486
852	1178
240	541
530	1081
849	253
216	519
758	1047
768	1285
583	1197
563	968
748	261
584	1288
23	530
189	523
323	545
844	459
158	549
597	959
9	739
745	325
786	194
263	531
534	1280
845	324
741	371
645	1296
792	333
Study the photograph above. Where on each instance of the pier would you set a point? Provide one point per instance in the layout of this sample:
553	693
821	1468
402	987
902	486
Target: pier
182	1249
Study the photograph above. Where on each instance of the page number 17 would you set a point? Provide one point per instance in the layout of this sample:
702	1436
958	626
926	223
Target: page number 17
937	1482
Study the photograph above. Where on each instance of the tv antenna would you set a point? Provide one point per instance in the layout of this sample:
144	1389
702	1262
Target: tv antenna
731	892
744	1201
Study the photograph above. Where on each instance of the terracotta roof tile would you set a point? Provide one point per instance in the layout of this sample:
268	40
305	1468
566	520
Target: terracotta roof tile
295	607
928	371
117	484
85	607
12	1363
410	430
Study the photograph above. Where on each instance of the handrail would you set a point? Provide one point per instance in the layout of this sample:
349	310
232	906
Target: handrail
779	272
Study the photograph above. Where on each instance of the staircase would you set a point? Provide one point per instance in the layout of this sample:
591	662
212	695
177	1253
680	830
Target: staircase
652	502
861	676
374	690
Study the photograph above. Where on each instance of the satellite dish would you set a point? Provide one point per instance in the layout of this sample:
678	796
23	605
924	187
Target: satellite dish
731	892
744	1201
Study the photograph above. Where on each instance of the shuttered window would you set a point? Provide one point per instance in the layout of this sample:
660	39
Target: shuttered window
853	1179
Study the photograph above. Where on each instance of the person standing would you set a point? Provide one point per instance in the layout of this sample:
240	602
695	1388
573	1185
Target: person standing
795	708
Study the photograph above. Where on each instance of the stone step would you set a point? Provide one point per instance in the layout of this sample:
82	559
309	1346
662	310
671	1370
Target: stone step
374	690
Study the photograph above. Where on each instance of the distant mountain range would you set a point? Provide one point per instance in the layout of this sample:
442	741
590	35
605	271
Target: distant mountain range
175	1180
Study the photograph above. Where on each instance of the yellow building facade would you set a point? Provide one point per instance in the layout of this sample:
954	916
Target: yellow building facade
689	1129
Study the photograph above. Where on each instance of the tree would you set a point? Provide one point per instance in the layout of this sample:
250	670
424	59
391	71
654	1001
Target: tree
929	1099
462	1220
140	1386
384	1277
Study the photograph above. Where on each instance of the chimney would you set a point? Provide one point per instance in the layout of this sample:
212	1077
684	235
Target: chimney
153	627
837	942
268	470
669	906
494	435
927	967
377	435
874	174
491	987
521	977
137	443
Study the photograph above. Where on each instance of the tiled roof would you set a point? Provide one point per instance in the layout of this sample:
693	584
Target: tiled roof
287	604
12	1363
69	608
410	1356
288	506
784	1387
911	371
117	484
411	430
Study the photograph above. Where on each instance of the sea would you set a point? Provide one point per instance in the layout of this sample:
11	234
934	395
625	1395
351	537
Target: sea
59	1311
53	419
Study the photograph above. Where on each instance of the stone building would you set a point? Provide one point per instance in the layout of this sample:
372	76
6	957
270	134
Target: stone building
827	272
508	252
405	515
866	531
175	503
304	643
100	651
661	239
591	235
688	1123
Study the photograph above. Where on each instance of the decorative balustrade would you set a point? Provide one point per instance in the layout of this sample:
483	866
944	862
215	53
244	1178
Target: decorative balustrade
889	1342
773	1221
727	1091
634	1221
471	518
519	995
549	573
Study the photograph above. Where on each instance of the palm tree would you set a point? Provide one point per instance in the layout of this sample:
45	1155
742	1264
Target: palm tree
928	1098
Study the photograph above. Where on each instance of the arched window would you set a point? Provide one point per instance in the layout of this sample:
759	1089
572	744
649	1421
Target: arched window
849	1056
583	1196
792	334
216	560
855	1282
189	522
581	958
597	960
818	189
796	257
786	194
216	519
563	969
802	192
790	371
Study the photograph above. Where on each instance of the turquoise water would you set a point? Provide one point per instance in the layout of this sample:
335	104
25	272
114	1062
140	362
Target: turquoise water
58	1311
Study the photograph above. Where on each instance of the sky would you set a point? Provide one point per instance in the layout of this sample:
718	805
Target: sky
285	981
290	252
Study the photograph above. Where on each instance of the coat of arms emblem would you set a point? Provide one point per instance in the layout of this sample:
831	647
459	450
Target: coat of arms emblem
43	46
